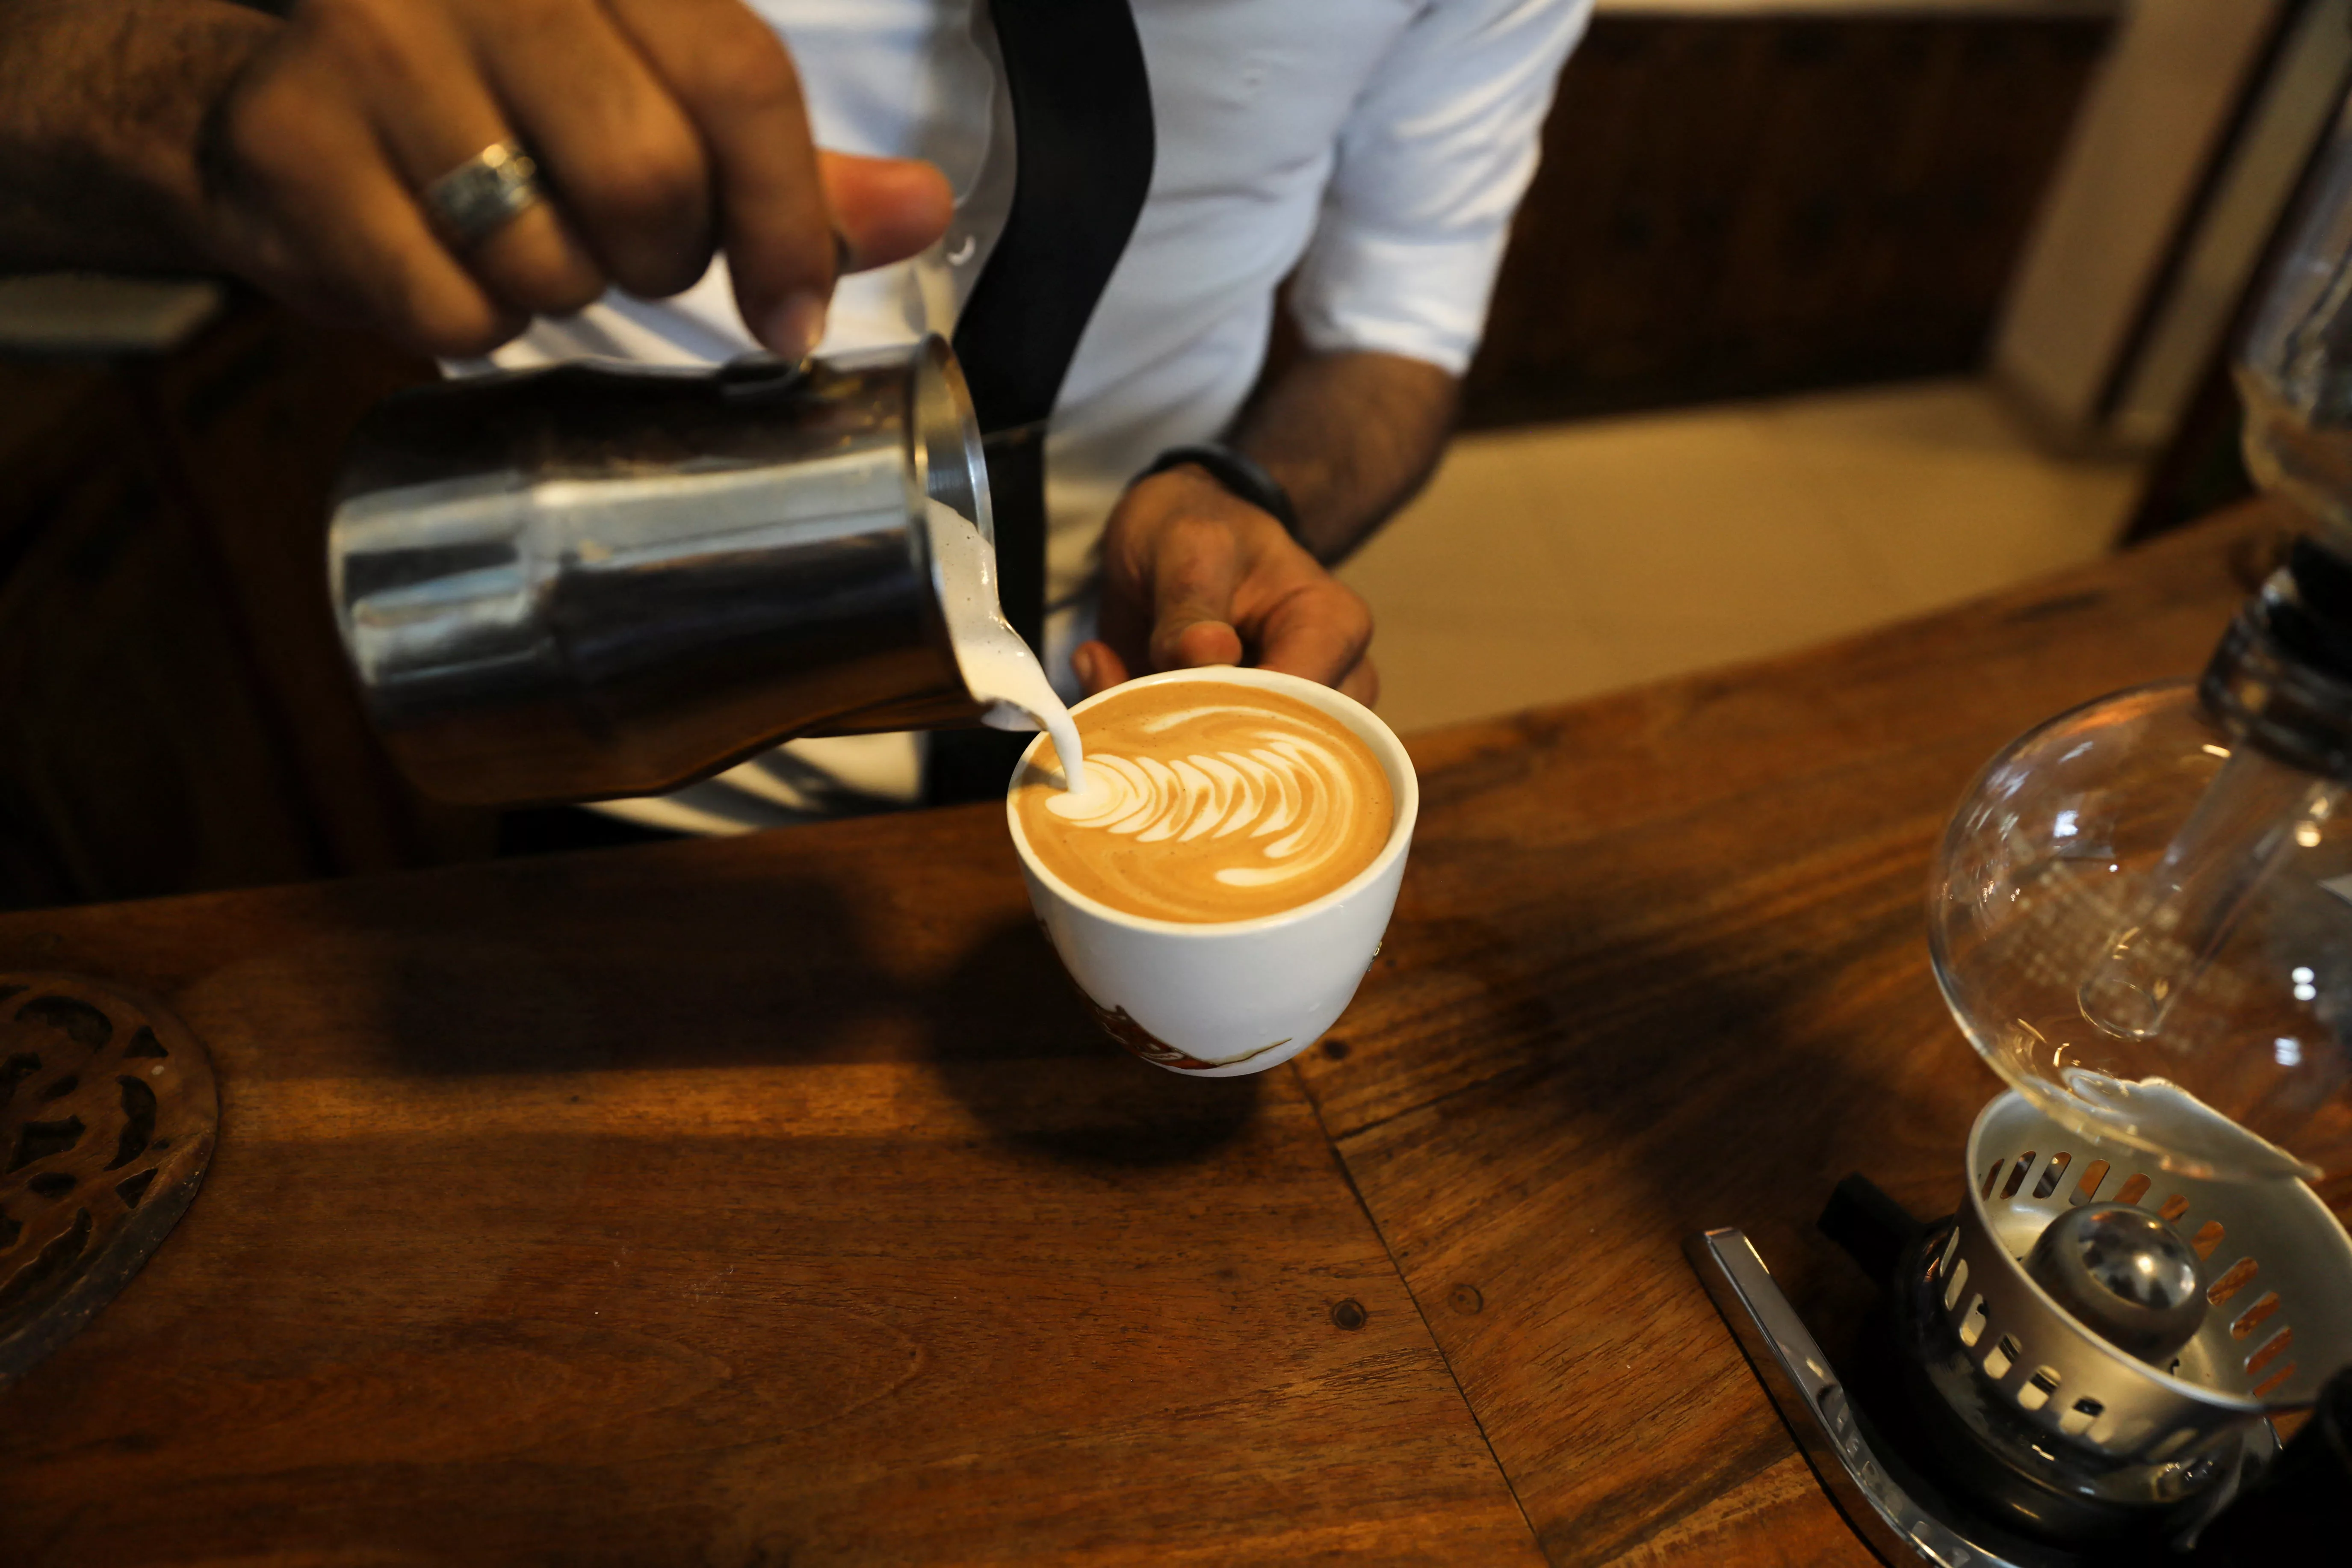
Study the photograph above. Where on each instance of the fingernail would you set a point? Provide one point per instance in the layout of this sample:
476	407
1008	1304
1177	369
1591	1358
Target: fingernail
1082	663
797	326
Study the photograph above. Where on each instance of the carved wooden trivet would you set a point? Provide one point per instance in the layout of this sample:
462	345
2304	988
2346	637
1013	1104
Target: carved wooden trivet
107	1119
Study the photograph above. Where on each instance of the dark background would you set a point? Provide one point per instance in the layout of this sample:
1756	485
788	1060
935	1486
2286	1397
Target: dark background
1726	207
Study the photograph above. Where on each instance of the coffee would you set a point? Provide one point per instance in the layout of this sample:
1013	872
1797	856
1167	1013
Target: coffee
1206	801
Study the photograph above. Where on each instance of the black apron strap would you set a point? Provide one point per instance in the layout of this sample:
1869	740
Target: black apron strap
1082	166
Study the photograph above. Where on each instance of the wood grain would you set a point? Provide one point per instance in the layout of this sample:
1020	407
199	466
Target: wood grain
737	1203
1659	964
772	1200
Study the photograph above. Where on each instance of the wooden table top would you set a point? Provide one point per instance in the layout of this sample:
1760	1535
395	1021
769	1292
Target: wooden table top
772	1201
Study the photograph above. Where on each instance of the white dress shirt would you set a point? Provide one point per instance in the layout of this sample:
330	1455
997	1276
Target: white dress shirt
1377	147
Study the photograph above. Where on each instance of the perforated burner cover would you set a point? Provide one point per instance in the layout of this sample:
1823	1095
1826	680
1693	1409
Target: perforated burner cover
107	1118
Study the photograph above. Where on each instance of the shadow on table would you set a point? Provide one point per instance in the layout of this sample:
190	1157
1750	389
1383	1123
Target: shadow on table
1654	1060
1661	1049
584	962
1011	1041
565	964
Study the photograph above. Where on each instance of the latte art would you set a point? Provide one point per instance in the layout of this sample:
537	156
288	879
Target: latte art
1273	788
1207	801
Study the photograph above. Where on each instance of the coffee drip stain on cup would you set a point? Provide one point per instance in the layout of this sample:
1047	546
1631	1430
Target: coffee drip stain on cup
1207	801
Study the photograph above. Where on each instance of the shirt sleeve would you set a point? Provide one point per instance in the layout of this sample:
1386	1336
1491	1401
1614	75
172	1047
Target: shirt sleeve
1431	164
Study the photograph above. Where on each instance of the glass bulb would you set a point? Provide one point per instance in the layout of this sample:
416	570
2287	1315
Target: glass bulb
2147	928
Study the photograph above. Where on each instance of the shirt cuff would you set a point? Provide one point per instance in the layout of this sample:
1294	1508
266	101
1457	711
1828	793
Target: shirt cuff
1425	299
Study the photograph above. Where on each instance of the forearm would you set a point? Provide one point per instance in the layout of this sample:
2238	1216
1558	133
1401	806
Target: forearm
1352	436
102	107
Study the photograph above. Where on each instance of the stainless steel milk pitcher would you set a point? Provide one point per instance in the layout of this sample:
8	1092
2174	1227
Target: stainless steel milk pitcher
593	580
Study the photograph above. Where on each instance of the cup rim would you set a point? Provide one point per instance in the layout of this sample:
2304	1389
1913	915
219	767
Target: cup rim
1366	725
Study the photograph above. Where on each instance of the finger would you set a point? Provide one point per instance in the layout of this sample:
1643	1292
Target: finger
1194	569
1318	630
1362	683
1126	619
1128	549
1097	666
312	208
419	85
885	209
627	168
737	84
1201	643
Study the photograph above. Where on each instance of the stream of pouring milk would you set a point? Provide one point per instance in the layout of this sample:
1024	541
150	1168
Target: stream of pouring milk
998	668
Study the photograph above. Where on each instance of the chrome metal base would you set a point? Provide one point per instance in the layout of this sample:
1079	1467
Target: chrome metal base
1915	1482
1896	1525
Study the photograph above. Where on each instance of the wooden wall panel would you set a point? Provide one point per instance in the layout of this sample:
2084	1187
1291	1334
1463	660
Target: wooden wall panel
1742	205
174	710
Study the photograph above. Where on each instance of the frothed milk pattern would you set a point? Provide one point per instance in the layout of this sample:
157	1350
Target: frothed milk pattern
1208	801
1267	789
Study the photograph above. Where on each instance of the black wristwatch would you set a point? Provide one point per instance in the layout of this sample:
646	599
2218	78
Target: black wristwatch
1241	475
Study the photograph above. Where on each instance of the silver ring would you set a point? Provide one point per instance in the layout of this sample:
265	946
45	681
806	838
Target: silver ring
484	194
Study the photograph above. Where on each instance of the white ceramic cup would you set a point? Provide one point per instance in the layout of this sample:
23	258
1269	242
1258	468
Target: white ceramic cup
1229	997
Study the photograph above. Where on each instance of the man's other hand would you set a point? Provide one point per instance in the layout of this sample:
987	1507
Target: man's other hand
663	129
1193	575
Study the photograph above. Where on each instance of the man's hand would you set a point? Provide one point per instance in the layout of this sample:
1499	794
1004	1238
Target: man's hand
202	133
1193	576
664	128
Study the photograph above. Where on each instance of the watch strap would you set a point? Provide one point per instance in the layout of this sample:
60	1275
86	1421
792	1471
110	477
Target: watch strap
1237	473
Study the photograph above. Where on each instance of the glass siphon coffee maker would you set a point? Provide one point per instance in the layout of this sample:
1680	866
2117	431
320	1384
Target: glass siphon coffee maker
2141	918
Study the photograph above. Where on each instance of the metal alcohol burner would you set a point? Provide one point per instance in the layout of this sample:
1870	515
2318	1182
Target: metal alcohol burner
2141	916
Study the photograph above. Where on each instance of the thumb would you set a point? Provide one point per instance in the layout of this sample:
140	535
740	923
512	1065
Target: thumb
1190	645
1194	576
885	209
